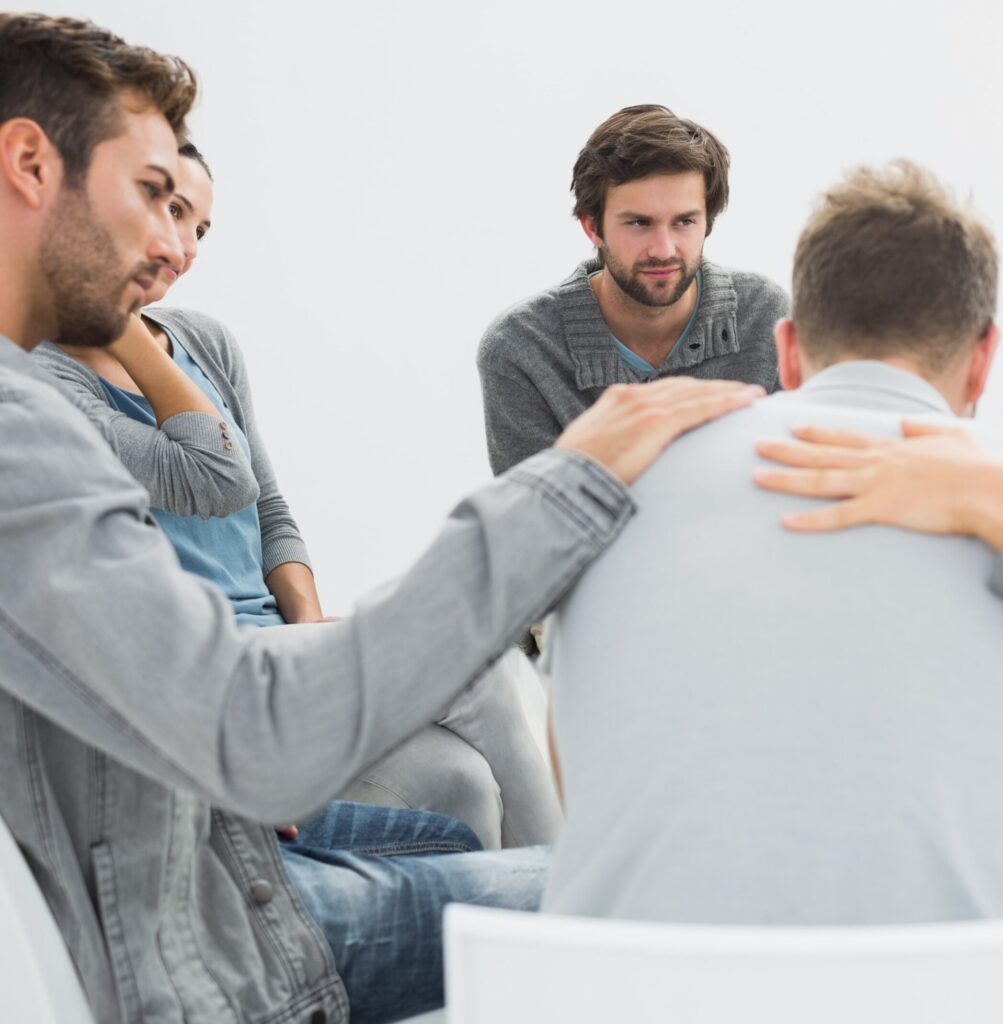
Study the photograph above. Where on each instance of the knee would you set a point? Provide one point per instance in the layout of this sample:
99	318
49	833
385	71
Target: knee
471	794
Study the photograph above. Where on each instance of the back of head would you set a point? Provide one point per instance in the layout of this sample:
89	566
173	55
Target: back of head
642	140
891	266
69	76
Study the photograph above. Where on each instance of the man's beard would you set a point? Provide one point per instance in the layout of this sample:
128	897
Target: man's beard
80	262
631	283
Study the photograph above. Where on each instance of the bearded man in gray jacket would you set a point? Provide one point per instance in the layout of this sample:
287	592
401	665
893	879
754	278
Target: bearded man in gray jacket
648	187
145	742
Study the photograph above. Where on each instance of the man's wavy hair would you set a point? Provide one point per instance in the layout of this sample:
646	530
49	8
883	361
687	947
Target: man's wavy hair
890	264
642	140
68	76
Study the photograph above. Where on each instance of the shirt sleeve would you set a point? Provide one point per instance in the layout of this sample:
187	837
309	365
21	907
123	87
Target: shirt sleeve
184	464
104	634
517	420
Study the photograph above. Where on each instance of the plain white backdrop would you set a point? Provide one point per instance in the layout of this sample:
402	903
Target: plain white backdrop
391	175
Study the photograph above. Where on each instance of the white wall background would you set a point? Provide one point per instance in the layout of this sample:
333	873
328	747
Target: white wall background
391	175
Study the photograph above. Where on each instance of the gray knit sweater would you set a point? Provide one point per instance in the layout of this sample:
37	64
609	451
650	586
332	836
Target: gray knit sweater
183	464
547	359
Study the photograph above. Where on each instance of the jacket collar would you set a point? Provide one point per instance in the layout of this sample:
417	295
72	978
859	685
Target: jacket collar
596	361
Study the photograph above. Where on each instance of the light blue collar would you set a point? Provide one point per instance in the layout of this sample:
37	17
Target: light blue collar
874	375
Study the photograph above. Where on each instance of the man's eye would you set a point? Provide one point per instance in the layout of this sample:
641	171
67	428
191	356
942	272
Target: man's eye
153	190
686	222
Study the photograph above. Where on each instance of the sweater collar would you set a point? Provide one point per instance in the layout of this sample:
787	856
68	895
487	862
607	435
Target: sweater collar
593	352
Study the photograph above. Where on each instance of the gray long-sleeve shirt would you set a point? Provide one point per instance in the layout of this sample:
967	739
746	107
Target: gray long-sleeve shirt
143	736
184	464
548	358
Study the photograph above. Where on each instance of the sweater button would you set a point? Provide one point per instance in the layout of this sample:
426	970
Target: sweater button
262	891
318	1017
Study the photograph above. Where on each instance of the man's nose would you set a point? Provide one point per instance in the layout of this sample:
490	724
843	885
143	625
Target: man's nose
661	244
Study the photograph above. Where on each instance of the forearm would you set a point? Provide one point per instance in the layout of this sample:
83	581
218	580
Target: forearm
165	386
269	723
295	592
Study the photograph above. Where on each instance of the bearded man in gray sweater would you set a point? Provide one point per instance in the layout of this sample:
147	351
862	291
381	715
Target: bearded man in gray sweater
648	186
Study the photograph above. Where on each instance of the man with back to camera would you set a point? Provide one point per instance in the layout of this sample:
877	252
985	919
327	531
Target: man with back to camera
800	729
648	187
143	736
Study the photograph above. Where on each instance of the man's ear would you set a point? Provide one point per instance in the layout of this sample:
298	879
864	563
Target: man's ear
29	163
588	224
980	363
788	354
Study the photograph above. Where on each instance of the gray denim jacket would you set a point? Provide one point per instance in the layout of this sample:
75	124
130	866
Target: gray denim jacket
143	737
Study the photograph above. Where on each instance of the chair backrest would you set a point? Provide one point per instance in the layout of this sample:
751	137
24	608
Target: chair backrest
38	982
508	966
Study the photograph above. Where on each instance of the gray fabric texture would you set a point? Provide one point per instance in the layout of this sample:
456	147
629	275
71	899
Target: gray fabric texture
547	359
763	727
143	735
183	464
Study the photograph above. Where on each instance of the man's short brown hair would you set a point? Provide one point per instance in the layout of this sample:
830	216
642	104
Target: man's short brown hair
889	264
68	77
642	140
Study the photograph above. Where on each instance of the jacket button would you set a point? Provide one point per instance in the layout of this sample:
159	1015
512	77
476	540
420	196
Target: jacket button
318	1017
262	891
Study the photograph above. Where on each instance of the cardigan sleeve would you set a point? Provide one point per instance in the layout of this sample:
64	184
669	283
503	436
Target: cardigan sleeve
183	464
281	540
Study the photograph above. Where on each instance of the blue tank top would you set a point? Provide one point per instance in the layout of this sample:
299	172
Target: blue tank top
225	550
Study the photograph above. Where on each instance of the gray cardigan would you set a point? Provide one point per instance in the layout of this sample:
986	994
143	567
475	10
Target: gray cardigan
182	464
547	359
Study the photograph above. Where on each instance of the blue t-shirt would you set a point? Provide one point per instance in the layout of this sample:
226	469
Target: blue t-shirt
225	550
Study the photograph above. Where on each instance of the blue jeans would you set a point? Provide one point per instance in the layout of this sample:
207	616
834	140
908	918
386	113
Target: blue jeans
376	880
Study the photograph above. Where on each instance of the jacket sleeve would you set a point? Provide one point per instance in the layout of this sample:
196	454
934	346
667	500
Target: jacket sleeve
183	464
104	634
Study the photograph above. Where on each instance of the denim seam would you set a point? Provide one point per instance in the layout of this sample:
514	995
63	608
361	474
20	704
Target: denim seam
267	919
559	499
417	846
308	922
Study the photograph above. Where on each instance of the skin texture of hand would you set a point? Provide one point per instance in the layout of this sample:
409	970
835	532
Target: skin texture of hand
631	424
935	479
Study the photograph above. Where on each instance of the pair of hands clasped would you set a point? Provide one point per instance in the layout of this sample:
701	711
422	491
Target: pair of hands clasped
934	479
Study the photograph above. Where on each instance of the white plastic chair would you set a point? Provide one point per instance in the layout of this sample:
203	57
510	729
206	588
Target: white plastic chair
508	967
38	982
